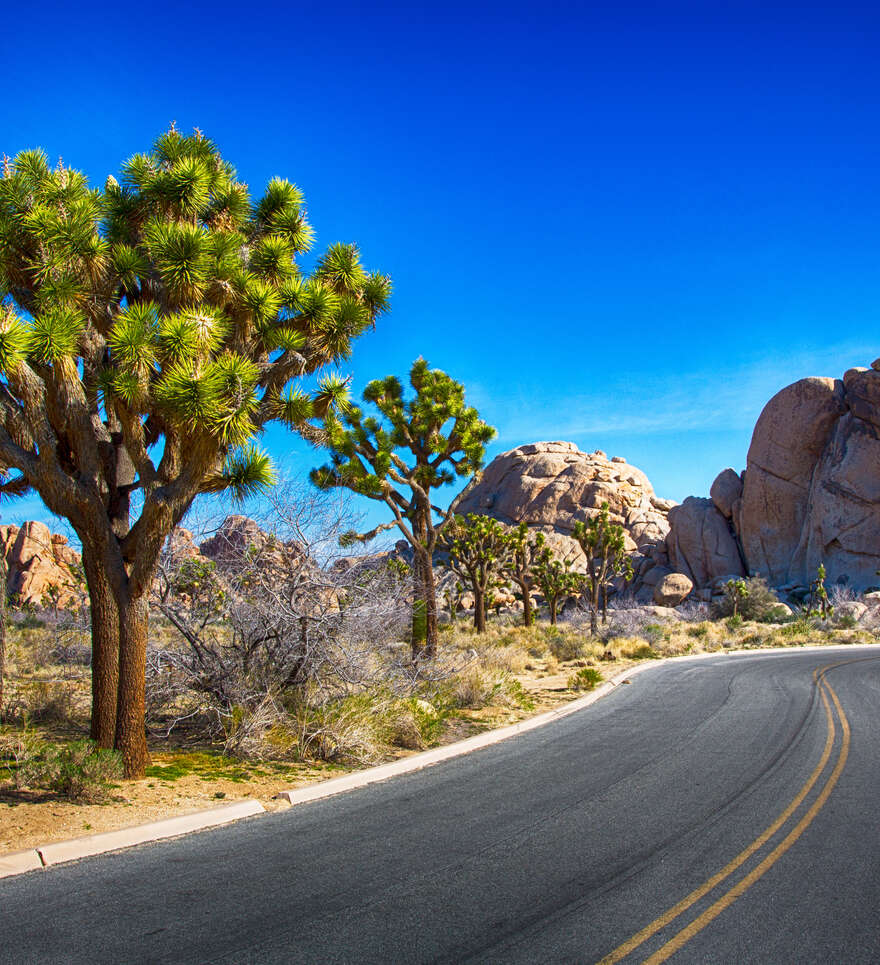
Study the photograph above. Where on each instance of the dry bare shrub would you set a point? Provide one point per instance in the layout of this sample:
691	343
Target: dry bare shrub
281	617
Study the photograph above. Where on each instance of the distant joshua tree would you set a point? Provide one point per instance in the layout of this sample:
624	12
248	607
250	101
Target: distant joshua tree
399	458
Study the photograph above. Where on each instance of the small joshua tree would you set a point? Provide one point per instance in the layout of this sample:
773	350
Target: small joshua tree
412	448
519	568
604	545
556	579
478	548
819	595
736	591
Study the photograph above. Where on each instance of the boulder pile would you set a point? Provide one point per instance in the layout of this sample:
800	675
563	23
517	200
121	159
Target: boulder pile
42	570
810	494
552	485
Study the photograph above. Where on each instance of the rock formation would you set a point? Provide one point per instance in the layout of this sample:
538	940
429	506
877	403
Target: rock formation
810	493
552	485
42	569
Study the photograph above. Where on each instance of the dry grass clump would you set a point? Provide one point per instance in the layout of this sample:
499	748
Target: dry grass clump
358	729
476	686
77	771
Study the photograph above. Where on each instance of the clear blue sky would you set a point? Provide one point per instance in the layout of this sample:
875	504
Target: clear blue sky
624	225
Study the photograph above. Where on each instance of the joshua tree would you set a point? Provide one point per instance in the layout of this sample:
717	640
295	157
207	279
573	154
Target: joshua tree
398	459
736	591
603	543
526	548
148	332
478	548
3	582
556	579
819	595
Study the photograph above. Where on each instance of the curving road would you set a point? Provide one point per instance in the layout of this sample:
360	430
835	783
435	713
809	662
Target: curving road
714	811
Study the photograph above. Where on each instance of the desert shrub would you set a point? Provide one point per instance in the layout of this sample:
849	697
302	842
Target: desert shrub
845	621
585	679
475	687
27	620
564	644
801	625
693	611
734	621
78	771
45	701
639	651
751	599
700	631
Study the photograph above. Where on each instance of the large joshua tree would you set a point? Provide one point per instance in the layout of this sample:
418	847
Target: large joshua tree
148	332
399	459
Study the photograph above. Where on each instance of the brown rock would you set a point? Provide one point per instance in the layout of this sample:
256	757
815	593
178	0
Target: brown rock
673	589
726	491
700	543
552	485
42	568
789	439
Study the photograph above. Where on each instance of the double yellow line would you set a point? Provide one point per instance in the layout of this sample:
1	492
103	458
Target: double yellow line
729	897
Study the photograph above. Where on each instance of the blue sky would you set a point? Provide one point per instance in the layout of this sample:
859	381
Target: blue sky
622	225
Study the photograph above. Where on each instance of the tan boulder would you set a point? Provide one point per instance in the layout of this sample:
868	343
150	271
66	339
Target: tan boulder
701	544
726	491
789	439
552	485
673	589
812	486
42	569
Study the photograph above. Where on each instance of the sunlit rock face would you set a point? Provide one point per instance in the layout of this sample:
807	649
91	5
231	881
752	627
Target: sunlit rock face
552	485
811	493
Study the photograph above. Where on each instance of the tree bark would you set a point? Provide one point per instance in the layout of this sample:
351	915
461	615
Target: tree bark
553	604
432	634
3	581
479	609
131	735
105	651
528	617
419	621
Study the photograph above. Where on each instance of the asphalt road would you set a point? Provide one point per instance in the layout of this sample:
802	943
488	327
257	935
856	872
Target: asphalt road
720	811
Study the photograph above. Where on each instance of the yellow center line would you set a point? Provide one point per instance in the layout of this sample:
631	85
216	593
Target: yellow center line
699	923
663	920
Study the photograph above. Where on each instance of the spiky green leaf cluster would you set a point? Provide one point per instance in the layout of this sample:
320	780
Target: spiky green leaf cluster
411	446
175	301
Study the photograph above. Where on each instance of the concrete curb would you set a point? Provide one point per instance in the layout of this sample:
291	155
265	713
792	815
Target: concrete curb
417	762
18	862
52	854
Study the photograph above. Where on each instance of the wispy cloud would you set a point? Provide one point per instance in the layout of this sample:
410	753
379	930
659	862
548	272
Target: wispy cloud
724	399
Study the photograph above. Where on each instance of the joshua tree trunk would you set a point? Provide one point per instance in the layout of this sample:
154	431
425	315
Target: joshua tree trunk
424	619
105	652
479	609
553	603
131	737
3	575
528	615
431	631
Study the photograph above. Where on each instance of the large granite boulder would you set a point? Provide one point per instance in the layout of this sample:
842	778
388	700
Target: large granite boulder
701	543
812	484
552	485
726	492
789	438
